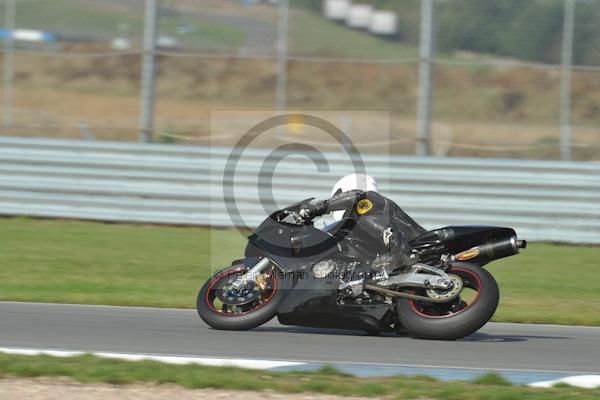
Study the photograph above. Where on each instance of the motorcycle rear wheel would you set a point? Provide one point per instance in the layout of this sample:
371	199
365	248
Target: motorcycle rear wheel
222	316
455	319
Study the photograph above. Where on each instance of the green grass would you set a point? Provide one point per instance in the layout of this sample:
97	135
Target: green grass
79	262
108	20
90	369
549	283
311	34
120	264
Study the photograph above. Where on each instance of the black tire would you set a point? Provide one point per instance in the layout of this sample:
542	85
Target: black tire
459	324
236	322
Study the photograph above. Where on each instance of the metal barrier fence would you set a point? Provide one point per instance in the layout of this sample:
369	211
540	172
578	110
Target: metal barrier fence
164	184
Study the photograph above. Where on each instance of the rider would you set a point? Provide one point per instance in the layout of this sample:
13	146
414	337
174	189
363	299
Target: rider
379	217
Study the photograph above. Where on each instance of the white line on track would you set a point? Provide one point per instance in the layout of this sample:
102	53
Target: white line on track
583	381
265	364
179	360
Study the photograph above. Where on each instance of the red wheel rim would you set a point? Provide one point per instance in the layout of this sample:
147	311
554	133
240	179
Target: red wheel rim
226	274
472	280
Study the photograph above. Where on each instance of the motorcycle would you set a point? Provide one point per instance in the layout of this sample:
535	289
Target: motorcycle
322	278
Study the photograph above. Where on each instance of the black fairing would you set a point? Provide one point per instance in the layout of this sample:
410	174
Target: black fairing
290	245
313	303
460	238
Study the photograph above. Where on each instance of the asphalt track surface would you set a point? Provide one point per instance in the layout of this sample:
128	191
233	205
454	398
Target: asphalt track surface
546	350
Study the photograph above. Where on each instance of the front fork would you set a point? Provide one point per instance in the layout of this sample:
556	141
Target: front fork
251	274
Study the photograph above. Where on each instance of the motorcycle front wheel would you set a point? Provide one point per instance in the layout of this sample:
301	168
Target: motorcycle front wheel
458	318
221	308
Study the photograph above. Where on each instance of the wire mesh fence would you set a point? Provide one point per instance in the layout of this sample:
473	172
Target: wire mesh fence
73	68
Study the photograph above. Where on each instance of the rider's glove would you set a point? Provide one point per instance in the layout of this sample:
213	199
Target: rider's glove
305	213
310	211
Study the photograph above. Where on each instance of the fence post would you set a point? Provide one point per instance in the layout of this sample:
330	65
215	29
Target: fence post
9	62
425	78
282	53
565	80
148	81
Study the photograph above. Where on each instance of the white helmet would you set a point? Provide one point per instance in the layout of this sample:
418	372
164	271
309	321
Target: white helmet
350	182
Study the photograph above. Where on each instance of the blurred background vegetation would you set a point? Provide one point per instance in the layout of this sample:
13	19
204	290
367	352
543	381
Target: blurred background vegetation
496	83
526	30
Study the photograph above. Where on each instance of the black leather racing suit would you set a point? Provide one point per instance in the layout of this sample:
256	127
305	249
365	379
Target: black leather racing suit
385	222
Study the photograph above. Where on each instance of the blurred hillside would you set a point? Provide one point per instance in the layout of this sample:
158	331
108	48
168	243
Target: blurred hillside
475	106
527	30
222	56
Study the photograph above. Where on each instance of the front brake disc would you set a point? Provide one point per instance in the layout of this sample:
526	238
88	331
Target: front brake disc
231	296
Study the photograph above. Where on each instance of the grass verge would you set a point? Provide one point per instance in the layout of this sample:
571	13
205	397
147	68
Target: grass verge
90	369
110	19
119	264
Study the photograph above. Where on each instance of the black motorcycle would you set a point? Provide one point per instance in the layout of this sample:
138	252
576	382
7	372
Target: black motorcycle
323	278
